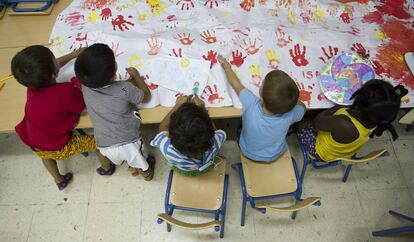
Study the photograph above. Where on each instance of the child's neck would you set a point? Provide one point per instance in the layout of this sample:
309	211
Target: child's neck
358	116
266	111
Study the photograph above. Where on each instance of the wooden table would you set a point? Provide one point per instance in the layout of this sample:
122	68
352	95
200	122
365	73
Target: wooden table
21	31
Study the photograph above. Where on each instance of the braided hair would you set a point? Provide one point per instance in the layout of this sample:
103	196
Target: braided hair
379	103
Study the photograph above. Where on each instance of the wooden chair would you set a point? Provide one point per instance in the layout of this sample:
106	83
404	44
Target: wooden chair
206	193
280	178
348	162
3	6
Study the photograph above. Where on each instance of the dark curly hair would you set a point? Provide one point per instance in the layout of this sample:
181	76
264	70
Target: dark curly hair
191	130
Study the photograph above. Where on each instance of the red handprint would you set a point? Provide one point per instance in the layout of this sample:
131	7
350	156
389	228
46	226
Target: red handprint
81	40
212	96
185	38
282	41
249	46
238	58
379	69
332	52
172	22
176	53
321	96
360	49
354	31
209	37
185	4
106	14
262	2
76	20
247	5
304	95
297	57
210	3
306	16
345	17
212	57
154	46
121	23
283	3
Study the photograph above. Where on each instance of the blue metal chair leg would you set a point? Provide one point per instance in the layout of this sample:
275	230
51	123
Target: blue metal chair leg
243	214
394	231
347	171
293	216
224	205
401	216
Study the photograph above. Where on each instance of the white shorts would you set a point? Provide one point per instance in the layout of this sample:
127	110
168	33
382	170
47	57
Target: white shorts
134	153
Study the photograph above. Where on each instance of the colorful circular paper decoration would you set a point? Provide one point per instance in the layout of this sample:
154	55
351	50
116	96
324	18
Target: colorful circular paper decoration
343	75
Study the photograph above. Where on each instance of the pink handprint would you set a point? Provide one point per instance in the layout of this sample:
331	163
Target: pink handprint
298	57
306	16
282	40
249	46
209	37
121	23
185	4
106	14
212	57
332	52
176	53
210	3
360	49
247	5
184	38
115	49
211	95
154	46
76	20
238	58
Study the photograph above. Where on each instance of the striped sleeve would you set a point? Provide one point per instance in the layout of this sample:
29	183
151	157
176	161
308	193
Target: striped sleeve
219	138
159	139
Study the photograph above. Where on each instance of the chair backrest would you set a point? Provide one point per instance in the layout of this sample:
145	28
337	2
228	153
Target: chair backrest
201	192
371	156
267	179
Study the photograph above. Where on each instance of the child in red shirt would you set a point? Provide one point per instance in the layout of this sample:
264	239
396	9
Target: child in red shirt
52	109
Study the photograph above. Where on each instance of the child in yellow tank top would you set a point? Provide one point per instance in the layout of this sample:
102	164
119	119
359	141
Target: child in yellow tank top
340	132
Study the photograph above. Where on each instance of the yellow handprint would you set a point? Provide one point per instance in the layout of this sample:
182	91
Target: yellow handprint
157	7
379	34
292	17
184	63
256	75
93	17
135	61
319	13
273	58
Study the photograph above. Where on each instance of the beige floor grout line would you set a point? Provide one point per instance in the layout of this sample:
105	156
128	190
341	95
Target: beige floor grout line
31	224
87	209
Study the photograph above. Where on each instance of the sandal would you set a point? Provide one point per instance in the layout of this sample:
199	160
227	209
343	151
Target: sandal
66	179
101	171
148	174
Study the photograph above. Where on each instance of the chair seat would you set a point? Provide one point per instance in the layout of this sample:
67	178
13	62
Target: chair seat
267	179
201	192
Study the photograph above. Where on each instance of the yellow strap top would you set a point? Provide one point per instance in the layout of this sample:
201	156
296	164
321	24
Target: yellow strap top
329	150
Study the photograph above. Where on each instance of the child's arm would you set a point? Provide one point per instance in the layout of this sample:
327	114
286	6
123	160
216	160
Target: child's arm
165	123
139	82
231	76
63	60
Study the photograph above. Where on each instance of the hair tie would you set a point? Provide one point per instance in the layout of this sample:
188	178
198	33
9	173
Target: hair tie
385	122
400	90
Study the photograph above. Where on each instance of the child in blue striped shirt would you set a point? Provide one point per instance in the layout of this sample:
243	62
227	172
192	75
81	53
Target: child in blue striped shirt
187	137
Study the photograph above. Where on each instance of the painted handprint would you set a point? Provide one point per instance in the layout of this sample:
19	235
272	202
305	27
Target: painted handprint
360	49
379	69
249	46
75	20
154	46
318	14
304	95
282	40
333	8
176	53
185	4
93	17
332	52
209	37
106	13
298	57
256	75
345	17
115	49
171	22
306	16
273	58
212	57
247	5
157	7
211	95
135	61
184	38
291	16
96	4
121	23
283	3
238	58
80	41
354	31
211	3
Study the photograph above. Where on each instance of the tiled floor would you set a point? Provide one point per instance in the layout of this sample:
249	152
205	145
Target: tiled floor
123	208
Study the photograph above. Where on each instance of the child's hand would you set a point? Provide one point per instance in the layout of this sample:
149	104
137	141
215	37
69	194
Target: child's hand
223	62
182	99
198	101
133	72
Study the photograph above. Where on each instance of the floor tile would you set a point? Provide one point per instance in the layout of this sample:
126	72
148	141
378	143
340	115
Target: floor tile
63	222
15	222
112	222
404	151
400	128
